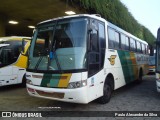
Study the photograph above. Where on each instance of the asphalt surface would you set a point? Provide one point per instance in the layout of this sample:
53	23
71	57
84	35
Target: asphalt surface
133	97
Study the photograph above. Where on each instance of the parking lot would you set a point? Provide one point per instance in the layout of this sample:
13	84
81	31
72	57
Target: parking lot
133	97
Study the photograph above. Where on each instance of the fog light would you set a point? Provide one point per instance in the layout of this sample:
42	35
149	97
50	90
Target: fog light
78	84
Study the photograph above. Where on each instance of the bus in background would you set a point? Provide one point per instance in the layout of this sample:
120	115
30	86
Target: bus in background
158	60
152	64
82	58
13	61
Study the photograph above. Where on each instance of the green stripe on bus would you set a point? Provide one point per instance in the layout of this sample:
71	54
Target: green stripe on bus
50	80
127	63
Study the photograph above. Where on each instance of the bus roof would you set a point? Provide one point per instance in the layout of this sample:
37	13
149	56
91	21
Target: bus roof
98	17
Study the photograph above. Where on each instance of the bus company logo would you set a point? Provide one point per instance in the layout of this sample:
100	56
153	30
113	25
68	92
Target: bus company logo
20	114
6	114
112	59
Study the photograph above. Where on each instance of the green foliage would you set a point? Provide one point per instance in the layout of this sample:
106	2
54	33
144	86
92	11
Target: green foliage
117	13
148	36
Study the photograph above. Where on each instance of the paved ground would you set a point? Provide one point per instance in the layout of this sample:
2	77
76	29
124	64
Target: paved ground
133	97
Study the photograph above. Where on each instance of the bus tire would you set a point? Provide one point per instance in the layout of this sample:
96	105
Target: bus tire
23	84
140	76
107	91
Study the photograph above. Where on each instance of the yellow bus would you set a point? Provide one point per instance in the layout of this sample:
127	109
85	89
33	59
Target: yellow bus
13	61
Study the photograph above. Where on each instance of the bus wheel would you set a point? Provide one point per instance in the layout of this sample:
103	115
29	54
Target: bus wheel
140	76
23	84
107	91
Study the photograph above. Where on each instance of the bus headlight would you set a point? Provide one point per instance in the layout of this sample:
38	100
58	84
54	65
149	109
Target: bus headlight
29	82
77	84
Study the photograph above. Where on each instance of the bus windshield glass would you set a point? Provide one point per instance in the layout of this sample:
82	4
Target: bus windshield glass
152	60
59	46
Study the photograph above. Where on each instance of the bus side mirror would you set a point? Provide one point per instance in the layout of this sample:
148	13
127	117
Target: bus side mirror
157	43
93	45
23	46
158	37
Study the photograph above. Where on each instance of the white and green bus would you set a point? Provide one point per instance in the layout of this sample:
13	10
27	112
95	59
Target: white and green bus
81	58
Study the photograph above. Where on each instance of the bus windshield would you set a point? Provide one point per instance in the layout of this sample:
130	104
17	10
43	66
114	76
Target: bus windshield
59	46
152	60
9	52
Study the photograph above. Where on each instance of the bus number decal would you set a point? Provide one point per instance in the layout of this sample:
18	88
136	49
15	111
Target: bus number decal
112	59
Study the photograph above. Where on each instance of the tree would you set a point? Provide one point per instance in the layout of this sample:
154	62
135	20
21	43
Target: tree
117	13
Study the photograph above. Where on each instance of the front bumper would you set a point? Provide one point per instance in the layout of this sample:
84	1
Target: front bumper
78	95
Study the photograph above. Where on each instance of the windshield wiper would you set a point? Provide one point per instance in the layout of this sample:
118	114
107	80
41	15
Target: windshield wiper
53	52
44	52
39	60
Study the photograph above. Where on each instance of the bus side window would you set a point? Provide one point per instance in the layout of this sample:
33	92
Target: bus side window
132	44
114	39
111	38
16	48
102	35
16	52
143	49
97	47
139	48
124	42
147	49
94	36
7	57
127	43
94	56
102	42
94	41
117	40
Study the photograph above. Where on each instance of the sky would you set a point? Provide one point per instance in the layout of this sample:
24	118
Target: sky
146	12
